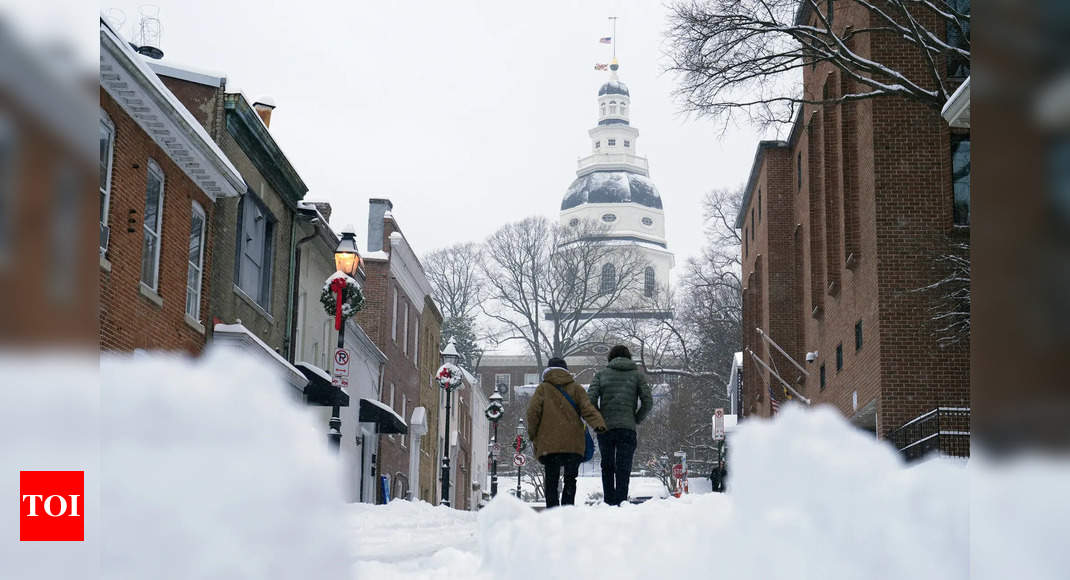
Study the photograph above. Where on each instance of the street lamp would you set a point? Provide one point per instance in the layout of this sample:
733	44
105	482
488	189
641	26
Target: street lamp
449	378
520	445
494	413
346	261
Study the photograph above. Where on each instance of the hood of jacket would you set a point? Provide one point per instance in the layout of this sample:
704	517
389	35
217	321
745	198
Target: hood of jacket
557	376
622	364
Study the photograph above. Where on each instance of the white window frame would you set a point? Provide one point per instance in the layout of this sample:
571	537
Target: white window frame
105	185
404	408
416	345
264	282
603	105
627	143
197	210
611	142
394	318
623	107
531	378
613	107
508	380
157	231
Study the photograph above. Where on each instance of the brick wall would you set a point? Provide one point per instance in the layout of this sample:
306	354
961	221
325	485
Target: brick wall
128	318
855	225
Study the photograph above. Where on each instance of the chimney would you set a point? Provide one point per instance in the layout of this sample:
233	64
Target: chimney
377	208
263	107
324	208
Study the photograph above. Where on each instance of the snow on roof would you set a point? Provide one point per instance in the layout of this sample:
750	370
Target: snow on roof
387	408
376	255
241	330
188	73
315	369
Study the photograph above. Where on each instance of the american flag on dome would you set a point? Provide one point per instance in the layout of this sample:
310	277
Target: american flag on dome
601	67
773	403
606	39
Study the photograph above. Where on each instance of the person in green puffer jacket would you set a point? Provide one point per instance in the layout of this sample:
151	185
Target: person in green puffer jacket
622	396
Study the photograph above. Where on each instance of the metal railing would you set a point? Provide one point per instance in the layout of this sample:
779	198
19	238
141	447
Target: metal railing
943	429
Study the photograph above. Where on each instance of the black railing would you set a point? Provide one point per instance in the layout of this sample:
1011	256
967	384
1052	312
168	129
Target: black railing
943	429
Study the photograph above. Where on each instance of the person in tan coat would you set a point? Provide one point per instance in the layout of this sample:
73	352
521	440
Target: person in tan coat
557	432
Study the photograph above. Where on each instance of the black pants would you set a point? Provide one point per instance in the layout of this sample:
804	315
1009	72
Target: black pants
554	463
617	447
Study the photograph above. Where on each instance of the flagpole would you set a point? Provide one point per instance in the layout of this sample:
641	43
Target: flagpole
613	19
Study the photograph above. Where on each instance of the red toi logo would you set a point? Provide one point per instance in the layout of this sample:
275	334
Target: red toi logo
51	506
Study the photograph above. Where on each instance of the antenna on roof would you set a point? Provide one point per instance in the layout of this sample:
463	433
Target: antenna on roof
147	38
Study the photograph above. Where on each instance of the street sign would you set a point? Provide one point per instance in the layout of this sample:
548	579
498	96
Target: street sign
340	376
518	460
496	449
678	471
718	425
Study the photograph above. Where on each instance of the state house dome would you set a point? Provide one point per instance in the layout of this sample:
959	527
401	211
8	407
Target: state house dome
612	187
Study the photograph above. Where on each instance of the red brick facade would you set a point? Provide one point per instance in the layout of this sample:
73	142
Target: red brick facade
841	224
132	316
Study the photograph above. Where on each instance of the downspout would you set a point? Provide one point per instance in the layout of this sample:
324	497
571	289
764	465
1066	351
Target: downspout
295	271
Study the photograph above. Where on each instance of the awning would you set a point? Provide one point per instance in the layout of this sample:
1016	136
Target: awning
240	337
372	411
319	390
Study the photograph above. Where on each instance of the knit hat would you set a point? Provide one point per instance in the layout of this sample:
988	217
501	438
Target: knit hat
557	362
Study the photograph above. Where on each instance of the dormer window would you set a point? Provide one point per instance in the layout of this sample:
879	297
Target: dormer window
613	107
611	142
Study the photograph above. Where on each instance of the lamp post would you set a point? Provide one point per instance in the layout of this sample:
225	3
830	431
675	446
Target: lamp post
346	261
520	445
448	378
494	414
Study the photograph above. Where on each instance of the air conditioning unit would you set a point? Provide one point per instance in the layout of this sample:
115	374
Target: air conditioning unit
105	235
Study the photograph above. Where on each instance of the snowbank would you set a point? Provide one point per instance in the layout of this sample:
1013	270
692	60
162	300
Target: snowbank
811	498
194	469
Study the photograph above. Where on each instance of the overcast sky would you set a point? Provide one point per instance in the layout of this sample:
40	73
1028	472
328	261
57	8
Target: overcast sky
467	115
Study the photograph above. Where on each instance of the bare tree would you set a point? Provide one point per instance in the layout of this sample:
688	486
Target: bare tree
458	287
549	283
951	296
456	279
746	55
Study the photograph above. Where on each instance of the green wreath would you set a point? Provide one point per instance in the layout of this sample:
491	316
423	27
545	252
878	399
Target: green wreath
352	297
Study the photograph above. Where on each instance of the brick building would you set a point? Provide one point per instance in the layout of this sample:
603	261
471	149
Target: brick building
47	274
396	291
161	177
841	224
431	400
253	235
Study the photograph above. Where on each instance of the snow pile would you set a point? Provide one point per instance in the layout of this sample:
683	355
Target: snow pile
211	470
811	498
193	469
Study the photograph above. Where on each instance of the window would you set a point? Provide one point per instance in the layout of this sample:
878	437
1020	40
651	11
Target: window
822	376
858	336
405	330
839	357
603	109
798	171
391	401
531	378
623	108
746	246
501	384
752	223
958	37
960	178
256	232
416	345
613	107
574	222
647	221
196	258
151	227
611	142
649	282
107	149
627	143
597	144
609	278
404	409
759	206
609	217
394	318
